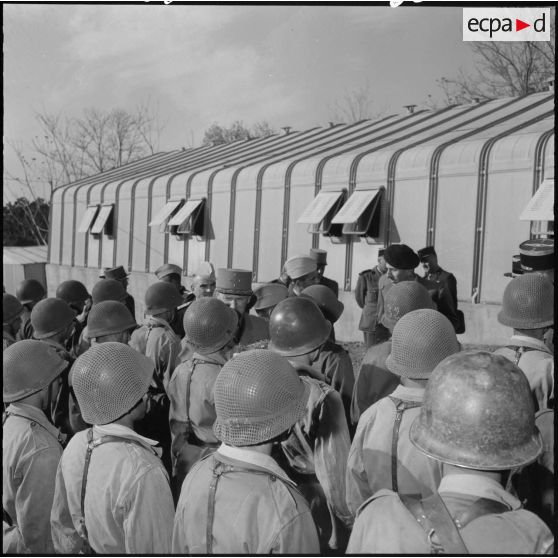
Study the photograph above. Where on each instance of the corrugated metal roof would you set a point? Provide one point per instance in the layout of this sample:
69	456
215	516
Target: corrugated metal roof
24	254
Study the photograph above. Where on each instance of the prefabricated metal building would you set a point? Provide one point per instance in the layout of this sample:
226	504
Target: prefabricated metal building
457	178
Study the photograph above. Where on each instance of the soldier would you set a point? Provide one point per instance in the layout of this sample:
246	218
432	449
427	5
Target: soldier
110	321
118	274
28	292
528	307
12	311
268	296
374	380
112	494
234	288
303	272
238	500
203	283
477	419
108	289
31	446
328	303
366	295
381	455
209	327
321	261
315	454
537	256
79	300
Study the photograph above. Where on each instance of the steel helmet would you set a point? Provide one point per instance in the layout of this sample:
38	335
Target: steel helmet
325	298
258	396
297	327
109	379
478	413
108	289
161	297
11	308
50	316
29	366
209	325
528	302
421	339
109	317
402	298
72	292
30	291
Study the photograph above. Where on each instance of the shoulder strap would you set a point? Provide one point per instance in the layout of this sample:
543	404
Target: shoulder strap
193	365
7	414
519	351
400	407
480	507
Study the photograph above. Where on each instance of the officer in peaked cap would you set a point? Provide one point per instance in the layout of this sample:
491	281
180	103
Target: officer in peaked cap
234	288
268	296
537	256
119	274
302	272
321	260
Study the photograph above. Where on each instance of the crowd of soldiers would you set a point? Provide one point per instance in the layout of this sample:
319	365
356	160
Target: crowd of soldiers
210	429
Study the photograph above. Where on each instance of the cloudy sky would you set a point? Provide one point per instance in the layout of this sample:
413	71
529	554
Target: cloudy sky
200	64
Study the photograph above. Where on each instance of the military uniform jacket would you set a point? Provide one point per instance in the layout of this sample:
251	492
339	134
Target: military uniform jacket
30	455
446	281
369	467
385	526
333	285
257	509
366	295
128	502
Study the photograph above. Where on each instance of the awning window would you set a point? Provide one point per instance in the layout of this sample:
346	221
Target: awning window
161	217
188	219
361	213
87	219
320	211
541	206
103	223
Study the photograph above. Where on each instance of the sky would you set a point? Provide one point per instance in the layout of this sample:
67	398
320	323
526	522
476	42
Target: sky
201	64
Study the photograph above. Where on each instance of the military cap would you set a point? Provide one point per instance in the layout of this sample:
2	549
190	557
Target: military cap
167	269
423	253
319	255
298	266
114	273
206	271
401	256
269	295
234	281
536	254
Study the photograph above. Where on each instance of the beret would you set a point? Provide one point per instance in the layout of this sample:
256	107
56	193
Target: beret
401	256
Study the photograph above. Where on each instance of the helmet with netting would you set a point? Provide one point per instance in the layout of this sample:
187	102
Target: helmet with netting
30	291
478	413
109	317
108	289
402	298
28	367
11	308
72	292
528	302
209	324
421	339
258	396
161	297
108	380
325	298
297	327
50	316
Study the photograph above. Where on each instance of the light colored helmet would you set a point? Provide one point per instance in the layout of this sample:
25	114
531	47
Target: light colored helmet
50	316
402	298
478	413
299	266
109	317
209	325
161	297
421	339
29	366
108	289
108	380
11	308
528	302
258	396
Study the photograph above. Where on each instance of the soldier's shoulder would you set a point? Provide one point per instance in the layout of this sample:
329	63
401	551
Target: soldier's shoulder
382	499
367	272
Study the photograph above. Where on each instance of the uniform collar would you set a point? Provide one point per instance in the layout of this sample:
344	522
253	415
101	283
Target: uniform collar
531	342
212	358
479	486
36	415
255	458
157	321
407	393
122	431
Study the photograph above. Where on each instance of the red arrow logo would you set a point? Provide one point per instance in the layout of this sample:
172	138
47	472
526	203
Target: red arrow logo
519	25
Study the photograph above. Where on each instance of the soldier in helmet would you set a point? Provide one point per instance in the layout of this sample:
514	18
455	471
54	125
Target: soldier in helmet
321	261
478	420
78	299
267	298
209	327
112	494
108	289
315	454
110	321
374	380
329	304
31	446
528	308
381	455
12	311
238	500
28	292
119	274
303	272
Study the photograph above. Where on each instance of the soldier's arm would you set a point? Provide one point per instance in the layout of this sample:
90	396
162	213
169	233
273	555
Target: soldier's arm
360	291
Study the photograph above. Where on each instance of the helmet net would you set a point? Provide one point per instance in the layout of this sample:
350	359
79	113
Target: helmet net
402	298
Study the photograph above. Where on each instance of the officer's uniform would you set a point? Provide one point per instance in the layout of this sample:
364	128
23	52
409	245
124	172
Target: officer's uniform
30	455
330	283
254	508
537	363
128	504
369	467
385	526
366	295
445	280
384	285
443	300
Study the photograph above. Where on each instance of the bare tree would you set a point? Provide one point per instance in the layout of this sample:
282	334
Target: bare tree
355	105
